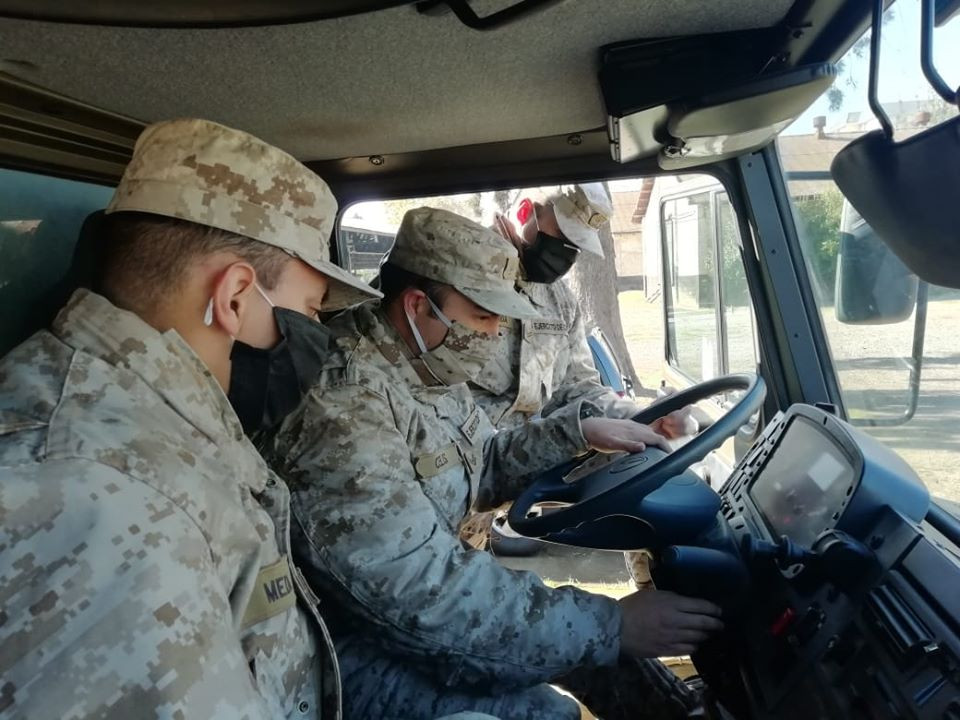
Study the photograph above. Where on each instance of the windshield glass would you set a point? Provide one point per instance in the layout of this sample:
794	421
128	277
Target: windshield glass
895	342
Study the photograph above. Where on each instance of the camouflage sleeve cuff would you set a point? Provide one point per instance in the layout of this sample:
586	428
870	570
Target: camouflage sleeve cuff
616	622
622	408
585	409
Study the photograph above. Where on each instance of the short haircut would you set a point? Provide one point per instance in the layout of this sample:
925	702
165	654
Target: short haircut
394	280
144	258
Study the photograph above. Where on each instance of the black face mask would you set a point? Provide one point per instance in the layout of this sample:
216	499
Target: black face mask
267	385
548	258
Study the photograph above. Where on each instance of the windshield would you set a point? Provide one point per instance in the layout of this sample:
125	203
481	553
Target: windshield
894	342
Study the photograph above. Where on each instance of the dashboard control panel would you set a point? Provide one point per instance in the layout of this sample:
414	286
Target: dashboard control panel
840	602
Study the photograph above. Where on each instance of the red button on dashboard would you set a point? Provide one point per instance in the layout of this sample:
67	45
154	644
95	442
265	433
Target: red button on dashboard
780	626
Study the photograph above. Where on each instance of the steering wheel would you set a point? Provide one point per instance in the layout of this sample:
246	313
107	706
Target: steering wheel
641	500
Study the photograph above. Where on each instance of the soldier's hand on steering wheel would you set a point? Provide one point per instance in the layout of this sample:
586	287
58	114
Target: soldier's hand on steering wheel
679	423
612	435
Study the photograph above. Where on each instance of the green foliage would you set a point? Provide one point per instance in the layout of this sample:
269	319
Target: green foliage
733	279
818	223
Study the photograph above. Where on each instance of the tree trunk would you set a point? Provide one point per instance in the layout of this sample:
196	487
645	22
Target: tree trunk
594	282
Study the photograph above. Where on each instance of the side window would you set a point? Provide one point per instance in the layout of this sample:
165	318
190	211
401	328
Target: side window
690	290
707	309
40	219
737	320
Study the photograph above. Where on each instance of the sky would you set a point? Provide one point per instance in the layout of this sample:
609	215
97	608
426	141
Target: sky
900	75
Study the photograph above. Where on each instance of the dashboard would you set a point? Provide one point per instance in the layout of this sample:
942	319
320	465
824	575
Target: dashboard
845	604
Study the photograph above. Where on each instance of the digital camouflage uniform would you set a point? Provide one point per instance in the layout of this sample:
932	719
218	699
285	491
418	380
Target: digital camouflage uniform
144	543
383	468
383	464
544	363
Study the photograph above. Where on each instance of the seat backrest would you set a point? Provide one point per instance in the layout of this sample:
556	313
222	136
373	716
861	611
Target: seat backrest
41	220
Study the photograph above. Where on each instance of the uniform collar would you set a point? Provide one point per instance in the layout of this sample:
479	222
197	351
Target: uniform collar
537	293
164	361
376	327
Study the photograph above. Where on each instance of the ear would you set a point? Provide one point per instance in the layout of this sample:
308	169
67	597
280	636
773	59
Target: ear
231	292
524	210
415	302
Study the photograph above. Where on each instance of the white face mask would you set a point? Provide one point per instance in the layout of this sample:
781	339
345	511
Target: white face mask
462	354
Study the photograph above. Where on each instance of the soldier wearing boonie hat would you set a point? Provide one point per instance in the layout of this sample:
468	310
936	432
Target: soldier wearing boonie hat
145	542
442	246
581	211
385	458
545	363
548	359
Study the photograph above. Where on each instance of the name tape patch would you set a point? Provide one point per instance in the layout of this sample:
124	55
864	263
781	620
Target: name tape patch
549	327
472	424
273	593
430	465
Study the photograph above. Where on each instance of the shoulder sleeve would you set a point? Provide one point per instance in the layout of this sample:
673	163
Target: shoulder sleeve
373	538
514	455
111	603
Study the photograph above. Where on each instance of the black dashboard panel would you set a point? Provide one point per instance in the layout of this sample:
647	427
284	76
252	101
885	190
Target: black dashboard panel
856	614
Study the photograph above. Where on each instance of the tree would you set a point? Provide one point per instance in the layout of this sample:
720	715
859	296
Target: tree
594	282
818	222
860	49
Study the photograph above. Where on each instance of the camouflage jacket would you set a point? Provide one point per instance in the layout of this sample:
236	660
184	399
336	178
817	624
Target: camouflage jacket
143	541
382	470
544	363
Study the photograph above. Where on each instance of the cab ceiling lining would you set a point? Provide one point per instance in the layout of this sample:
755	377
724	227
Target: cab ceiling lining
393	81
188	13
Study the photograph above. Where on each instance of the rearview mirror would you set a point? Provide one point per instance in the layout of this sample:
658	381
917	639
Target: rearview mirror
873	287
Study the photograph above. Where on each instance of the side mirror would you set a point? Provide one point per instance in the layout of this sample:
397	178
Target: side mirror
873	287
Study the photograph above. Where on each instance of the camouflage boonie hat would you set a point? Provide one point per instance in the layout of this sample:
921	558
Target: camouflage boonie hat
581	211
445	247
213	175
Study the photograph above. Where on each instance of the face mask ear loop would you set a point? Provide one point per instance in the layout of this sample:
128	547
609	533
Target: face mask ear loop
263	294
416	333
439	313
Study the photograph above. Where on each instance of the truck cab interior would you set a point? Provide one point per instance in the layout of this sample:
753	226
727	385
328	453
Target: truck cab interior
834	542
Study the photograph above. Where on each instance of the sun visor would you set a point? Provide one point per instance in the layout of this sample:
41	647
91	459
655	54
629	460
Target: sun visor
909	193
741	118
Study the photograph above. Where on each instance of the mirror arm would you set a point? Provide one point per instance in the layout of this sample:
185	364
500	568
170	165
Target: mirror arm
919	334
467	15
927	19
872	97
916	365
